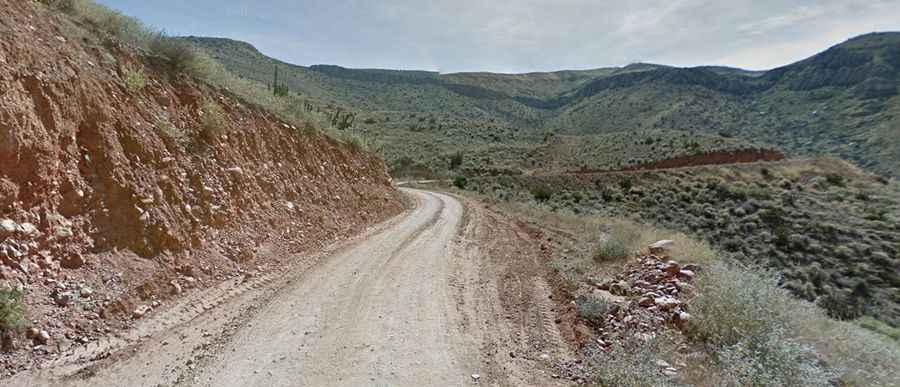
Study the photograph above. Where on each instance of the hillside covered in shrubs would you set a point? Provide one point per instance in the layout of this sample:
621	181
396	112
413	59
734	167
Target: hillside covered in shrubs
831	231
842	102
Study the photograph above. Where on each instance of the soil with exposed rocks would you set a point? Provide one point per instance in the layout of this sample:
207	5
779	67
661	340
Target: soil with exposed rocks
449	293
114	203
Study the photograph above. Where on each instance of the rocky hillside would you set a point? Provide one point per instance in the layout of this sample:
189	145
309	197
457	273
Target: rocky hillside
843	102
122	182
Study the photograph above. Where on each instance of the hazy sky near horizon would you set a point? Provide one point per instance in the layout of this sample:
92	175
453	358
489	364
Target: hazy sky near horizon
524	35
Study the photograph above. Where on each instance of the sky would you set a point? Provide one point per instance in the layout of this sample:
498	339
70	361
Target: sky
516	36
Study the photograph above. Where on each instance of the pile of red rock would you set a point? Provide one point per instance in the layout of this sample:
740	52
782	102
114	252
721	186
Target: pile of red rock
649	294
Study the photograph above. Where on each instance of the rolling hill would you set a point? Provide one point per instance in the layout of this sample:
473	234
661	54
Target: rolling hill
842	102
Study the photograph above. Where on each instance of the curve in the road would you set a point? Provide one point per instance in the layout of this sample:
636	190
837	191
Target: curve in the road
378	313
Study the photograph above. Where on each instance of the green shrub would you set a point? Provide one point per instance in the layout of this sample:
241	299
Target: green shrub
594	309
170	131
123	28
213	123
835	180
771	359
611	250
626	183
460	182
541	193
134	80
622	242
743	319
456	160
878	326
12	310
629	362
842	305
176	56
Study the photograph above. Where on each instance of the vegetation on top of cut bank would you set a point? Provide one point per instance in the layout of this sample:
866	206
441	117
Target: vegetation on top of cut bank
179	58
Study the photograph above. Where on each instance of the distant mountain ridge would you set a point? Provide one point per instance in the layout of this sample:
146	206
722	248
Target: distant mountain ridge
842	102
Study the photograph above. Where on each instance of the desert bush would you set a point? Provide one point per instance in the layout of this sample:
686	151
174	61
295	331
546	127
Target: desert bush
170	131
176	56
842	305
611	250
134	80
743	319
626	183
456	160
835	180
12	310
594	309
212	122
630	362
123	28
772	359
734	303
541	193
622	241
460	182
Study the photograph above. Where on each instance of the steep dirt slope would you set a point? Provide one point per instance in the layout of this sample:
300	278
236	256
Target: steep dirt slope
115	195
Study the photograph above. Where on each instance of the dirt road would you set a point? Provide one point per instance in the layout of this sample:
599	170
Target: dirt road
379	313
412	302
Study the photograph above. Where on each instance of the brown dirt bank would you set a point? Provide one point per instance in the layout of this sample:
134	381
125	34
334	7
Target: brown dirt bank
115	197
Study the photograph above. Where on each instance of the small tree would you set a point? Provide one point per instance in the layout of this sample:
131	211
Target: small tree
456	160
460	182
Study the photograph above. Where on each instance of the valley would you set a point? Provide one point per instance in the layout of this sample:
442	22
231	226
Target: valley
189	211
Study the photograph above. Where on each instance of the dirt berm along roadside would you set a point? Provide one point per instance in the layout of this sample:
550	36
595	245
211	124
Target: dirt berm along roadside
123	189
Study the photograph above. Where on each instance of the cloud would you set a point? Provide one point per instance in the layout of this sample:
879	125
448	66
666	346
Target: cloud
792	17
525	35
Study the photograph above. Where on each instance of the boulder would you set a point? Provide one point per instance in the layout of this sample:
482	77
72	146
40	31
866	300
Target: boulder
686	274
28	229
666	303
7	227
646	302
661	247
671	268
62	298
619	288
681	319
176	288
140	312
31	333
72	261
62	232
42	338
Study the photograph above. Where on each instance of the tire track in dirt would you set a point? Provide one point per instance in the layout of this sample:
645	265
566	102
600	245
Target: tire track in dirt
434	297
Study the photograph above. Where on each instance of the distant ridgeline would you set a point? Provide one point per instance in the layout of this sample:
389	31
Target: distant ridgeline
842	102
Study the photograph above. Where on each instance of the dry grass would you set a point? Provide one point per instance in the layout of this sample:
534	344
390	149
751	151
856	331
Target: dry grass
213	122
